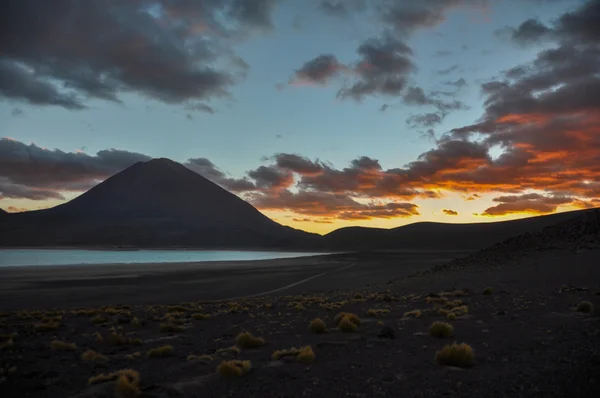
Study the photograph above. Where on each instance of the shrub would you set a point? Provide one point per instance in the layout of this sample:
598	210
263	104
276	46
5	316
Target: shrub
284	353
200	317
488	290
229	350
97	320
452	316
160	352
346	325
586	307
246	340
373	313
136	322
104	377
463	309
234	368
116	339
351	317
306	355
46	327
58	345
413	314
441	330
317	325
93	356
459	355
128	385
201	357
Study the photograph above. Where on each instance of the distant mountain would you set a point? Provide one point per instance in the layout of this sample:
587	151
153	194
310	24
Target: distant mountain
431	235
161	203
155	203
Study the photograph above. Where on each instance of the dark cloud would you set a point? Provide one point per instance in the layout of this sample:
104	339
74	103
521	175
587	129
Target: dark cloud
333	206
319	70
447	70
32	172
449	212
297	164
17	82
271	178
342	8
578	26
458	83
527	203
201	108
207	169
530	31
425	120
382	69
16	112
65	52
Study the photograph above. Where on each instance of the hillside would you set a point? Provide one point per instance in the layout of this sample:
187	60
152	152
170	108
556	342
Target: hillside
430	235
154	203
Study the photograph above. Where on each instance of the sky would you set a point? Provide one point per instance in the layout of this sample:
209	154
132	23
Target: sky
321	113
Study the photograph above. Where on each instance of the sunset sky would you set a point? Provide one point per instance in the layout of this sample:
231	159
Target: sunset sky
321	113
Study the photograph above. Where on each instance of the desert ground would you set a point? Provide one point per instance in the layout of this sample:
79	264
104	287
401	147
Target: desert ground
519	311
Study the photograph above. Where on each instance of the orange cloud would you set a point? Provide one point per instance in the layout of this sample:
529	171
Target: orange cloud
449	212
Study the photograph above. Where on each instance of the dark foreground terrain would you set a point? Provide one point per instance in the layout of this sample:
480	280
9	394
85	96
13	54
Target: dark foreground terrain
528	337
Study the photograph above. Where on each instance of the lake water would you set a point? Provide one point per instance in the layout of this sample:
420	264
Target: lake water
25	257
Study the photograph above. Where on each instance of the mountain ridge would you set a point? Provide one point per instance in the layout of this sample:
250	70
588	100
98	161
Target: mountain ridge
161	203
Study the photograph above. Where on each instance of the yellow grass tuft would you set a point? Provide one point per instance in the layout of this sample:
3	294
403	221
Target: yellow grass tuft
459	355
93	356
441	330
284	353
317	325
128	385
463	309
170	328
373	312
413	314
160	352
104	377
116	339
488	290
234	368
451	316
346	325
46	327
352	317
136	322
246	340
99	338
586	307
459	293
229	350
58	345
436	300
306	355
200	317
98	319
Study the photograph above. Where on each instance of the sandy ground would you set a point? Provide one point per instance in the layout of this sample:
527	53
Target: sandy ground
89	285
528	339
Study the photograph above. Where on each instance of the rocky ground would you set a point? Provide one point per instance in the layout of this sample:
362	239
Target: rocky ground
516	306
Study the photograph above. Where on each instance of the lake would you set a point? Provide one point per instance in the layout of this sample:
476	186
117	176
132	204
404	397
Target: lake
25	257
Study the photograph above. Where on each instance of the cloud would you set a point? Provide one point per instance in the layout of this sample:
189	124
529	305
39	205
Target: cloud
443	53
425	120
342	8
382	69
318	70
13	209
201	108
123	47
16	112
449	212
447	70
28	171
271	178
207	169
528	203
